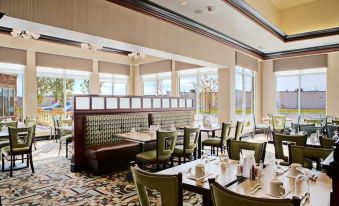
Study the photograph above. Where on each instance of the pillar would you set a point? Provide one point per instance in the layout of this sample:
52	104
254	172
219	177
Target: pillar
174	81
30	86
94	82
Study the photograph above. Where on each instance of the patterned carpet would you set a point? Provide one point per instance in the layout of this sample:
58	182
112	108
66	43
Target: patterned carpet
54	184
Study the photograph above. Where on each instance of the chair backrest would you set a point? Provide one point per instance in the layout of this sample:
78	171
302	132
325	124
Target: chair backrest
313	121
221	195
24	140
278	140
29	122
311	129
235	147
327	143
225	132
238	130
278	122
169	187
165	143
10	124
188	134
330	129
305	155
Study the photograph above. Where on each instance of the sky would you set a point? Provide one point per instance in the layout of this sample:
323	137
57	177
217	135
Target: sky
310	82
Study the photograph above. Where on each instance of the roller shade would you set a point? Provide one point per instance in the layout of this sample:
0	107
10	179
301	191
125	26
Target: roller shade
298	63
12	56
64	62
247	62
155	67
183	66
113	68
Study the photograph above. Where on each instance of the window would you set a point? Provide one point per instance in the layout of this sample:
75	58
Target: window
202	86
113	84
157	84
55	90
301	92
11	90
244	94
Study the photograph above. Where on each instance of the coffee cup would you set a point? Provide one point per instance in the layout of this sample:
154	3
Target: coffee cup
277	188
293	169
200	170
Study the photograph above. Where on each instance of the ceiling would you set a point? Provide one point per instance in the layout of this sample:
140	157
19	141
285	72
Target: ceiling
285	4
231	22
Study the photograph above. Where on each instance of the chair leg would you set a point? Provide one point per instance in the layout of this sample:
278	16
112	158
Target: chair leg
184	158
31	161
3	163
66	149
158	166
172	161
217	151
12	166
34	143
22	158
27	160
179	160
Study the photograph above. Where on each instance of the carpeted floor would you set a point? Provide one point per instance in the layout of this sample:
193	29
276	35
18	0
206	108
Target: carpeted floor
54	184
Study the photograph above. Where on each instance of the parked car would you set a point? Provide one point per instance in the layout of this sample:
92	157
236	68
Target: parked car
69	107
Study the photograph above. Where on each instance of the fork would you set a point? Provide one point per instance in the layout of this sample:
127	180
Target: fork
305	198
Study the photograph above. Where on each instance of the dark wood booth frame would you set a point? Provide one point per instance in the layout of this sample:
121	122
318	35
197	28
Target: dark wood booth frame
77	162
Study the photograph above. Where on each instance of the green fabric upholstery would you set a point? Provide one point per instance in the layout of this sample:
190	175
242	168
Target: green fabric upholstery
189	145
310	129
278	140
4	144
222	196
169	187
234	148
259	126
9	124
19	144
238	131
326	143
219	141
295	127
313	121
278	123
330	129
165	147
303	155
177	118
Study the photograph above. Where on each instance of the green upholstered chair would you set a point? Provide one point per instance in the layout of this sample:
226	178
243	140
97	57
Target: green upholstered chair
306	155
330	129
278	123
222	196
313	121
65	136
218	142
279	139
235	147
5	141
9	124
238	131
169	187
55	121
327	143
260	127
18	145
30	122
295	127
310	129
189	146
165	145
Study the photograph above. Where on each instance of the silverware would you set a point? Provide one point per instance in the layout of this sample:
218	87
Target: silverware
305	198
189	171
256	190
255	187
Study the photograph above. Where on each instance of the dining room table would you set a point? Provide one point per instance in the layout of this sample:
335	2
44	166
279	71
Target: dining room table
142	137
319	189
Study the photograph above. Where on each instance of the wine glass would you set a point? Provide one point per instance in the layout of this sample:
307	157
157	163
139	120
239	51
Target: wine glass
335	136
302	177
204	155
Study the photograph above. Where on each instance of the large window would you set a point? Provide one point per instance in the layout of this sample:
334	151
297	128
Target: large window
202	85
157	84
113	84
301	92
55	90
11	90
244	94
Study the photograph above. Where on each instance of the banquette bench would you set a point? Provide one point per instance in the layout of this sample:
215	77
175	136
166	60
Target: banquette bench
105	152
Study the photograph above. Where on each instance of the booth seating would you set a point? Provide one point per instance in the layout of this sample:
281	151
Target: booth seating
106	153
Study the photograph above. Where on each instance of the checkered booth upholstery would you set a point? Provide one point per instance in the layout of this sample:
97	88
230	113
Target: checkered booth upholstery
177	118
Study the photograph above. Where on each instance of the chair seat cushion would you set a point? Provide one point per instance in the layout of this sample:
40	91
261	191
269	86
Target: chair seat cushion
151	156
179	149
214	141
7	150
261	126
4	144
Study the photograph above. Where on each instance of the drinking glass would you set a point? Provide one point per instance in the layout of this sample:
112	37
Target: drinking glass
335	136
302	178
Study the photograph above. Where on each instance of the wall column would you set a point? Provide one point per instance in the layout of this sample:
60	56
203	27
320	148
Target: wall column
174	81
268	89
257	94
225	93
134	81
332	96
30	86
94	83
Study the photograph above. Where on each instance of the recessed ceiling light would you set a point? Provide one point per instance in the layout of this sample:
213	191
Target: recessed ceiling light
198	11
183	3
211	9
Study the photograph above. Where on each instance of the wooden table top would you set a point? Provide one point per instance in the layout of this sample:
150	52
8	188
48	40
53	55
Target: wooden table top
319	190
141	137
225	175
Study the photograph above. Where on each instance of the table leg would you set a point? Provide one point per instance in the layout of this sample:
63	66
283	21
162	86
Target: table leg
206	200
213	133
199	145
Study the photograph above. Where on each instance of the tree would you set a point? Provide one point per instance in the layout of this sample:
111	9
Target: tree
43	88
207	86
